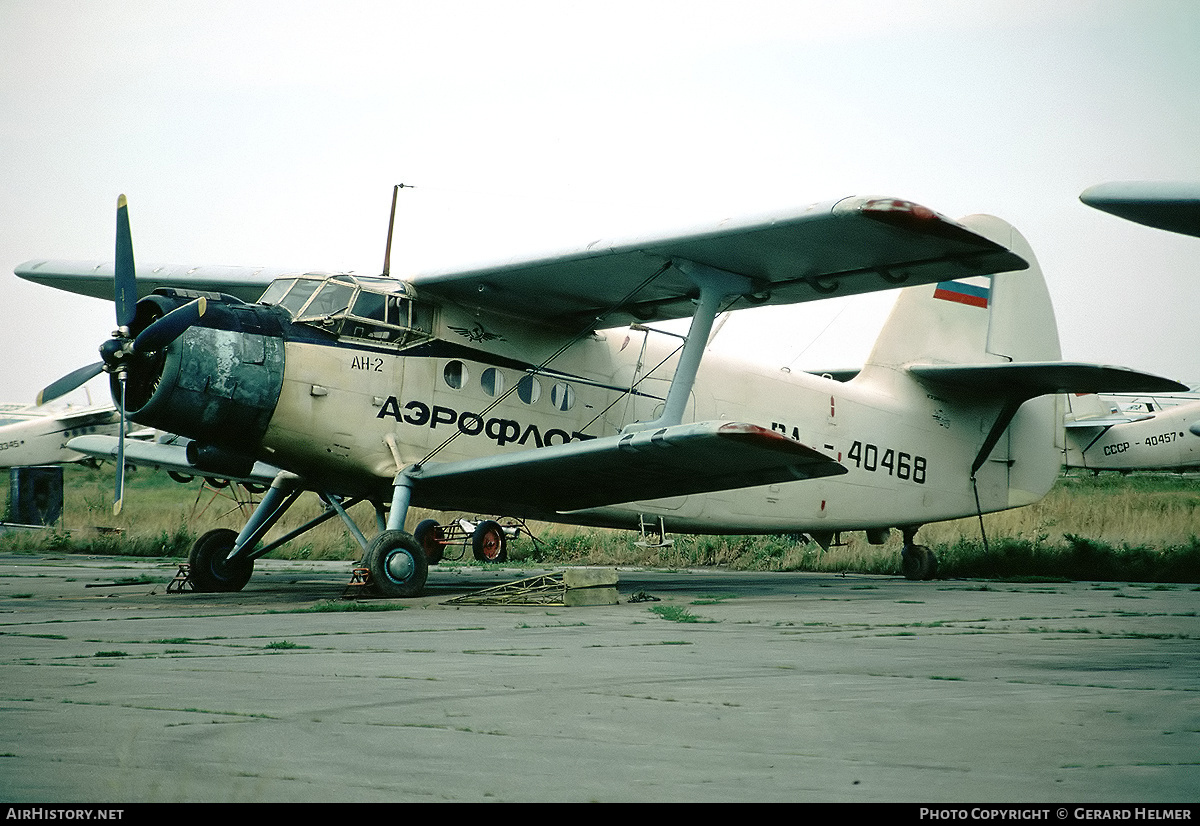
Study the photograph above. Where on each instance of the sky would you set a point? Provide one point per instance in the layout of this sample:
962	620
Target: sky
272	133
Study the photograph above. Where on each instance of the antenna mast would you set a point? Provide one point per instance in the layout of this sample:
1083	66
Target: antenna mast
387	253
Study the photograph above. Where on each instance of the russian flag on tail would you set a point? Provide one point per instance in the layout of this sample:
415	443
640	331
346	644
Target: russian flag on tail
962	292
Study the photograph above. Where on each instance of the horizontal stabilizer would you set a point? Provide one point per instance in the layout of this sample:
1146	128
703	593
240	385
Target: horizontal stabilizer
1031	379
163	456
673	461
1014	383
1104	421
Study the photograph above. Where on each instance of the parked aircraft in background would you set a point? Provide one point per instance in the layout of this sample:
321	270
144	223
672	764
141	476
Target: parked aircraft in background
514	388
32	435
1124	433
1101	436
1137	403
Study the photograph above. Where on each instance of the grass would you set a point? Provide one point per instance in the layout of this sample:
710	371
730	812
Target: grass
1137	528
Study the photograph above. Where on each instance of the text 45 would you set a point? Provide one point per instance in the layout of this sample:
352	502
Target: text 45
877	460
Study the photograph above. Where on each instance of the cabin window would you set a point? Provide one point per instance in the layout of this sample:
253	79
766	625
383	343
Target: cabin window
562	396
529	390
455	375
492	381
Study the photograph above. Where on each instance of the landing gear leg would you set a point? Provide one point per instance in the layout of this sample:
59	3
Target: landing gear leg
221	560
396	560
917	561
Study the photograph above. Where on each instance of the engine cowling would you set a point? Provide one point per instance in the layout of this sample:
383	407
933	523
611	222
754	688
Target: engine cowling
219	382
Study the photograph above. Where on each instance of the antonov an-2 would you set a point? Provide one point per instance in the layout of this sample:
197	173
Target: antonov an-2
1155	437
534	389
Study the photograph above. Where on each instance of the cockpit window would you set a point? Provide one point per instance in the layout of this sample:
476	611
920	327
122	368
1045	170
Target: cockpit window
371	306
333	298
276	291
376	309
298	295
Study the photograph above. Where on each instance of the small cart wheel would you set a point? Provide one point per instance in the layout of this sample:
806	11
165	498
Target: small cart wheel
489	542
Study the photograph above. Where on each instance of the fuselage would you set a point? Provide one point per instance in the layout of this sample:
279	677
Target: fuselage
1167	439
345	404
42	439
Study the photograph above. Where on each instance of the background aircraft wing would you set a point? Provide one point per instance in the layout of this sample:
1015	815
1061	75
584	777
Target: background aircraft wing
845	247
1171	206
164	456
95	278
673	461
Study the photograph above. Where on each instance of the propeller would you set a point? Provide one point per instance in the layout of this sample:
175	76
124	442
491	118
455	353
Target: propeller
124	349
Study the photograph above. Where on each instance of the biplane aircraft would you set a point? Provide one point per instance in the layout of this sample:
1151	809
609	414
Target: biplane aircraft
32	435
1104	433
535	389
1102	436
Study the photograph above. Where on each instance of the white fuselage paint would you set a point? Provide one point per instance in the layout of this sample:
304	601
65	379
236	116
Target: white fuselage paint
908	451
42	440
1167	439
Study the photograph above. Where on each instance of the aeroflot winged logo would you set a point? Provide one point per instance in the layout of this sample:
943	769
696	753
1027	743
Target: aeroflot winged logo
963	292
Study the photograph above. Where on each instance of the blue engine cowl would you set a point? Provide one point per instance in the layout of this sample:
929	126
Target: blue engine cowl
219	382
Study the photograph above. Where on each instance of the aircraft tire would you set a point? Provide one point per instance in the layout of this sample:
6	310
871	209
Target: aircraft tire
427	534
489	543
918	562
207	569
397	564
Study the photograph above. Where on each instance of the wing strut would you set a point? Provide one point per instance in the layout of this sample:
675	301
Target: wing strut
1011	405
716	287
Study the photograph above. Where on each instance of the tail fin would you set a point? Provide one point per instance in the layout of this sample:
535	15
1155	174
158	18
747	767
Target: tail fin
998	318
989	320
1083	406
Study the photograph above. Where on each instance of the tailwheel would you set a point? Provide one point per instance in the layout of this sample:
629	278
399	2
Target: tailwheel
918	562
430	535
489	543
397	564
208	569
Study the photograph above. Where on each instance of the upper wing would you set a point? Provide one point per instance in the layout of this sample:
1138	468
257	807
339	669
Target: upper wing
95	278
844	247
850	246
673	461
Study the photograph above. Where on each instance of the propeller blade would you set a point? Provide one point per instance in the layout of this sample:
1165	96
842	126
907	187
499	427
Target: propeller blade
125	278
69	382
170	327
120	491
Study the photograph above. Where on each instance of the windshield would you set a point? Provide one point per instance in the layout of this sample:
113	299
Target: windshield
377	309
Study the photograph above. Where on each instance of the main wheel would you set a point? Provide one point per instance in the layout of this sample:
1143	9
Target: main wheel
489	543
397	563
429	536
918	562
208	570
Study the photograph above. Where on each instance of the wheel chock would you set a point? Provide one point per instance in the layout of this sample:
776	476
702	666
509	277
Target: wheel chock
360	579
181	582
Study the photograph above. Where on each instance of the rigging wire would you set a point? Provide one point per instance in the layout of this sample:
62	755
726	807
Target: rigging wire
587	330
